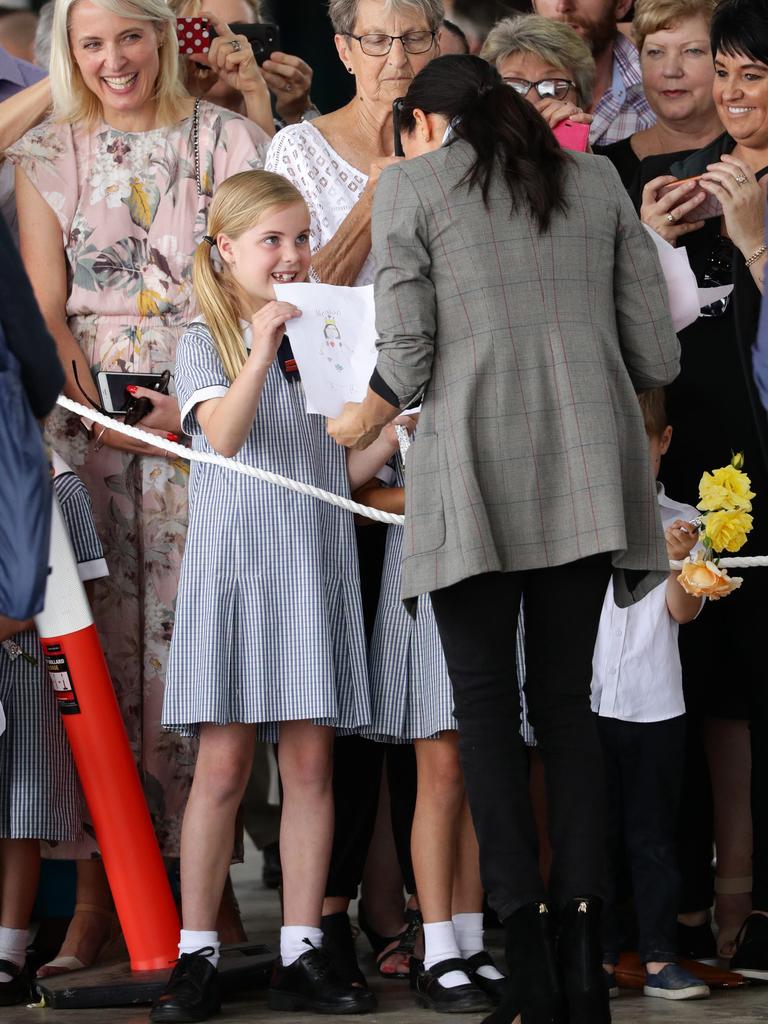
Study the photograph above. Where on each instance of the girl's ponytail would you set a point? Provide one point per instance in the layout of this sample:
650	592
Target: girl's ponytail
220	309
239	204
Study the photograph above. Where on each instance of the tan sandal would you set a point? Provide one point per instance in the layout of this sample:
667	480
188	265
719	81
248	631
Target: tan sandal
110	948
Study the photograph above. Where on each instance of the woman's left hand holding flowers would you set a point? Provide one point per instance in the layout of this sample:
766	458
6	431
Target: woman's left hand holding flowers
742	197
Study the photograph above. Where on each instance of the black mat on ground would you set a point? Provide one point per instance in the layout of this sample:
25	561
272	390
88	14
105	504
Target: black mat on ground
241	967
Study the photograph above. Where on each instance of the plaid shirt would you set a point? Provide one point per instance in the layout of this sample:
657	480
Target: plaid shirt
623	109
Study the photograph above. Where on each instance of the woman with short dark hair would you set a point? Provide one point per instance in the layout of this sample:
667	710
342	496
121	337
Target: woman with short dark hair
520	299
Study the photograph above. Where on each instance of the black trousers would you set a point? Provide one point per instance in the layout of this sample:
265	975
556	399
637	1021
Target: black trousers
643	770
477	619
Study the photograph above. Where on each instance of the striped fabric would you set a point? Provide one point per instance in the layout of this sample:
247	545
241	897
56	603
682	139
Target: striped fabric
268	618
40	796
411	695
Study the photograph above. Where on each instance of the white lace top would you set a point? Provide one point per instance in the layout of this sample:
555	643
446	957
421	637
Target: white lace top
330	185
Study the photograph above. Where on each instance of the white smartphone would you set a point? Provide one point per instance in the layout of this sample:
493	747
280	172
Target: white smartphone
112	385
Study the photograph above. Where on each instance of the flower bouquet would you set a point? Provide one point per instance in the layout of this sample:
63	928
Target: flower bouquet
726	501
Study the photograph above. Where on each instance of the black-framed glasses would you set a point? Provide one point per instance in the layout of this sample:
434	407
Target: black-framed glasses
376	44
717	273
545	87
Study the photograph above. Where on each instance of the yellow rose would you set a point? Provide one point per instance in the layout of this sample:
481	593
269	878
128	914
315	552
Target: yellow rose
727	530
704	579
725	488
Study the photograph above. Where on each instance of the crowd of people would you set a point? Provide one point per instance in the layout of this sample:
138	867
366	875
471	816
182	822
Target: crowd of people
486	713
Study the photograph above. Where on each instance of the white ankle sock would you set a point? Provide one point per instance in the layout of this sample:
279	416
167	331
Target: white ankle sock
13	947
292	944
440	944
469	938
190	941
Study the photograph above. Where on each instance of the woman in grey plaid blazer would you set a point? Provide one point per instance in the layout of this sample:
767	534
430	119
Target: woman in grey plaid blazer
518	294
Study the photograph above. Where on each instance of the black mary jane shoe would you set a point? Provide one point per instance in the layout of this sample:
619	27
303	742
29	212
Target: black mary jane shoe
430	992
494	988
580	956
192	991
339	945
311	983
16	990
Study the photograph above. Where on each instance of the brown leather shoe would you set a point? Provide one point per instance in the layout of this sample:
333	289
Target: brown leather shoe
630	973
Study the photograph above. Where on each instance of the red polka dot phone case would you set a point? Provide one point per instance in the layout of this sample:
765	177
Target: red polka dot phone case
194	35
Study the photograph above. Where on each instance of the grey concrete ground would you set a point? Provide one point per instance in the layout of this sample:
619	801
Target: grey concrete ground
261	912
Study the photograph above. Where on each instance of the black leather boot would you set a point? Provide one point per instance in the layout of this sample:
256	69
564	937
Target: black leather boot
580	956
339	945
533	987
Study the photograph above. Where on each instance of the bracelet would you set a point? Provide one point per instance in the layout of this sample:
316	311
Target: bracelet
756	255
99	443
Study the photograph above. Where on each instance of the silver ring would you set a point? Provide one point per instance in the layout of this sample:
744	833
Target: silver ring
741	179
671	218
235	44
287	87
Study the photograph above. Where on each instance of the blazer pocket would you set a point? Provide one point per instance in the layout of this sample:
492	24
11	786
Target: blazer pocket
424	511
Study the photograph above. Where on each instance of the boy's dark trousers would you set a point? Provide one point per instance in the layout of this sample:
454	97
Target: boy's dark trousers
643	766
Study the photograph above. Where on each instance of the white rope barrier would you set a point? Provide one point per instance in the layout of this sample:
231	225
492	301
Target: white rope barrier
182	452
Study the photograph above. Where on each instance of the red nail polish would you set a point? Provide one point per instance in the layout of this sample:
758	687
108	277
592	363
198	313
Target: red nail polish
131	389
172	437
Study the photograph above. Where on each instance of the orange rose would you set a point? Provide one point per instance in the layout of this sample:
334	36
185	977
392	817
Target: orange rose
704	579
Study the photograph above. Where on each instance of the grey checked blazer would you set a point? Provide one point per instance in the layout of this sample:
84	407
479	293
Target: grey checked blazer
529	348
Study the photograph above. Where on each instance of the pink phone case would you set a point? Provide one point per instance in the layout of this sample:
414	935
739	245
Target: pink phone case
193	35
571	135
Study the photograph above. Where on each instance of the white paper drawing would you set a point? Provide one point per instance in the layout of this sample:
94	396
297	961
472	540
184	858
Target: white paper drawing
333	342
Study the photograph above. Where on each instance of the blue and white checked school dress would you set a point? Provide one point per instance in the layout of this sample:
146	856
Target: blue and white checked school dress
40	796
269	624
411	697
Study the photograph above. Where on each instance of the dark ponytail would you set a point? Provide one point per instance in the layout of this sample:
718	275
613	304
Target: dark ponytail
504	129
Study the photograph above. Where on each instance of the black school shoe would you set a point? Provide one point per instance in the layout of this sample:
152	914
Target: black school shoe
311	983
751	956
192	992
16	990
494	988
435	996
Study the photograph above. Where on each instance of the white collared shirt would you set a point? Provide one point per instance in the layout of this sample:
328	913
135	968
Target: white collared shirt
636	671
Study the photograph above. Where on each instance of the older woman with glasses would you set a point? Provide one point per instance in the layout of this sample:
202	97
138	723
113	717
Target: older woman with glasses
720	222
546	62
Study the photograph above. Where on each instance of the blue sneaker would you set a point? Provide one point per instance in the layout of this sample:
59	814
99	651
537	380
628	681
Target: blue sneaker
673	982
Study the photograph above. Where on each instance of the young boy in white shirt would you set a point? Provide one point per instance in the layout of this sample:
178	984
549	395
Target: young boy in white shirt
637	693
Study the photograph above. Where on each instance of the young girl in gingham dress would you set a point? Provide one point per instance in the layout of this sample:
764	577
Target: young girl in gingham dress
268	640
411	700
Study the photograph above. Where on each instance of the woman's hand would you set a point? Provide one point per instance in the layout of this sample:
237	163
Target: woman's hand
268	327
743	201
234	64
665	213
164	414
681	538
556	111
290	79
349	429
121	442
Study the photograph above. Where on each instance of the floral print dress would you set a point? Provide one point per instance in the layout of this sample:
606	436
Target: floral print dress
131	218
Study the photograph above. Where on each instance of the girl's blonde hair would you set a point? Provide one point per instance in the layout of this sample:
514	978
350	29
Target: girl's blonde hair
238	205
74	101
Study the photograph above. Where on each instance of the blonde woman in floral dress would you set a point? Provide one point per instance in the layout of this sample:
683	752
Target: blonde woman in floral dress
112	203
